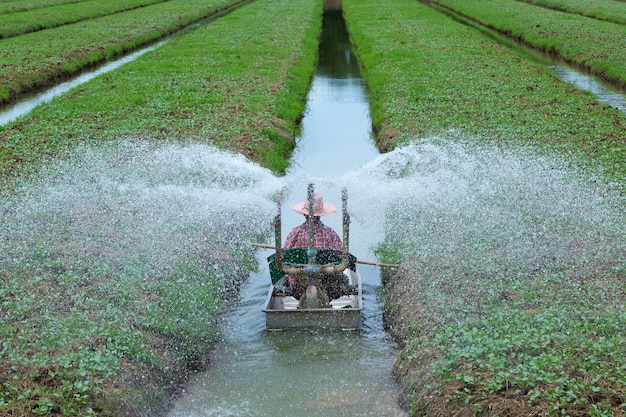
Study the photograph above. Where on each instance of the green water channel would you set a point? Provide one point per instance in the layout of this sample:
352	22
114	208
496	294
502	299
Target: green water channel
255	372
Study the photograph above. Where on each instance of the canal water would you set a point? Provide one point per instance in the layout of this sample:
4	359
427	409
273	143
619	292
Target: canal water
28	102
309	373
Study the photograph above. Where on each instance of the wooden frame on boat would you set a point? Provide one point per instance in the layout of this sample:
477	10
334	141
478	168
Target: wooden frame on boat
282	309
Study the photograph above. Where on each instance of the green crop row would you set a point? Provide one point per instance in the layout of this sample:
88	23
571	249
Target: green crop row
424	81
89	308
595	45
204	87
609	10
14	24
499	303
14	6
37	59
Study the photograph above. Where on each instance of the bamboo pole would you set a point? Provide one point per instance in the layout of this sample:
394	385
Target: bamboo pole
267	246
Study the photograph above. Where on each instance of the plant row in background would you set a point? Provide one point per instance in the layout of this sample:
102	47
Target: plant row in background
220	84
18	23
109	291
34	60
595	45
609	10
510	301
14	6
427	74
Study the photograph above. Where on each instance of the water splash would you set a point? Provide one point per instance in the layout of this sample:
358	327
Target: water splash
156	203
131	203
140	209
500	208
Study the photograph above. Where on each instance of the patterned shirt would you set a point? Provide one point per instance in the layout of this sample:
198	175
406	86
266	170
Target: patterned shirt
325	237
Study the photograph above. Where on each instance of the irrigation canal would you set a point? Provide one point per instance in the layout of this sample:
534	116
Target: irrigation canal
260	373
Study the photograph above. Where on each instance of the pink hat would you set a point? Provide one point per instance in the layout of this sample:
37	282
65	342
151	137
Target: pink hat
319	207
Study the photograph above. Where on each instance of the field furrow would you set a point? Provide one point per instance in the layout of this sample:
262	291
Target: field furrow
14	6
19	23
597	46
38	59
609	10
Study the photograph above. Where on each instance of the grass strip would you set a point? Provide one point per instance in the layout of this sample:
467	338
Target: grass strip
594	45
14	6
37	59
500	301
19	23
213	85
609	10
139	302
424	80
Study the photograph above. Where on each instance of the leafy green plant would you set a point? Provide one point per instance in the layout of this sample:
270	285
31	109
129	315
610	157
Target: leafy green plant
35	59
44	16
607	10
589	43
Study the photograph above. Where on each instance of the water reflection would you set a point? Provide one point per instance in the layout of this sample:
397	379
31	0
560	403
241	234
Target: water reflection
336	59
24	106
603	91
336	130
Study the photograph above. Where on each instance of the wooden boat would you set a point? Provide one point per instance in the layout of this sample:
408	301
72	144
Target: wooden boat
312	266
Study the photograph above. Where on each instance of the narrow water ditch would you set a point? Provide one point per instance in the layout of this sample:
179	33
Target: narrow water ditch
29	102
605	92
259	373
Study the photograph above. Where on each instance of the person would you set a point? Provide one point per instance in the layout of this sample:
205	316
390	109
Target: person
325	238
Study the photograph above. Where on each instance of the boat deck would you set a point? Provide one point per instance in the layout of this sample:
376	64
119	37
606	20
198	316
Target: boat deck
282	312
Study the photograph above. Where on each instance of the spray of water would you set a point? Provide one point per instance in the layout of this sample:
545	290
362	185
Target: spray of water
120	243
474	209
454	209
133	212
510	258
479	223
132	204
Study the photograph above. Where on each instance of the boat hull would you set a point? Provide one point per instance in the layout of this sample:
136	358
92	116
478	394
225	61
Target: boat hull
282	312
